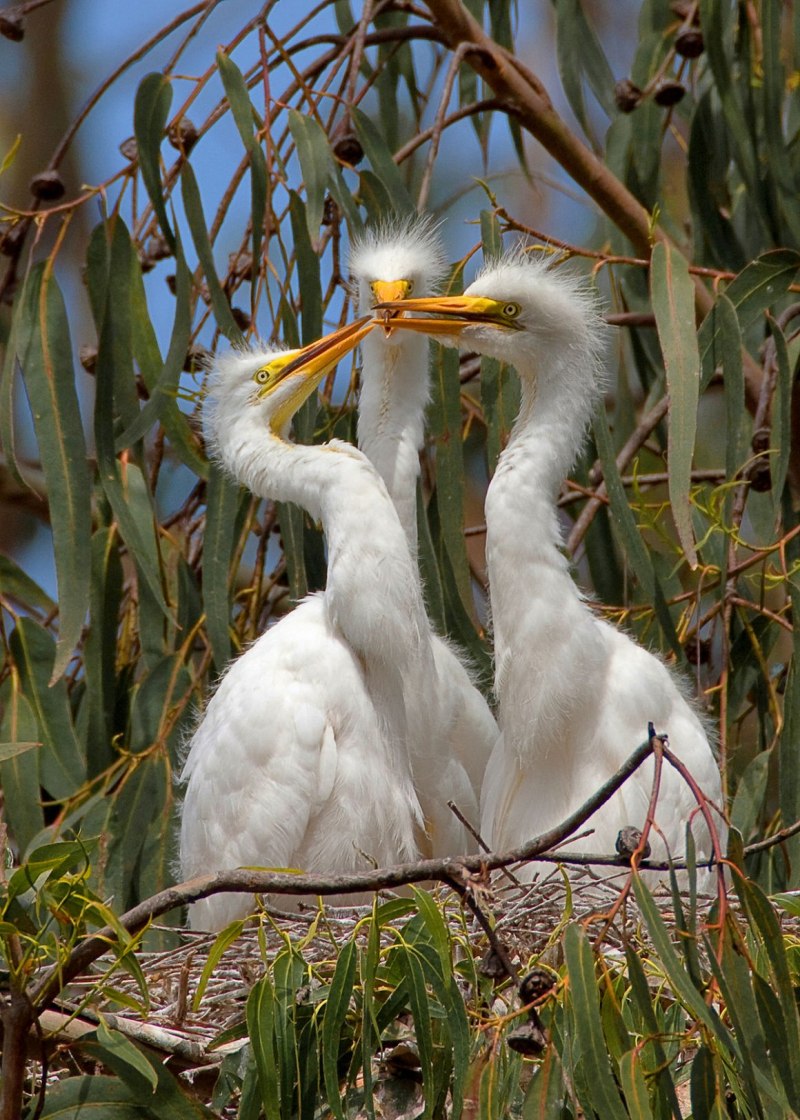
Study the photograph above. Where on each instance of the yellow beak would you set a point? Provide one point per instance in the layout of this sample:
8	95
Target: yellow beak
391	291
461	312
317	359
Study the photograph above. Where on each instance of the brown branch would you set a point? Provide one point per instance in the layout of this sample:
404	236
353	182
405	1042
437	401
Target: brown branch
528	101
240	881
634	441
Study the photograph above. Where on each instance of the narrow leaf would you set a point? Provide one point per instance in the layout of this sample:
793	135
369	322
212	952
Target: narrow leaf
151	108
45	353
61	762
604	1095
314	154
382	162
625	523
223	500
756	288
197	224
673	304
336	1010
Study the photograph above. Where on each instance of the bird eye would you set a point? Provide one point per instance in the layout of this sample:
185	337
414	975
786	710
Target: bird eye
512	310
262	375
409	286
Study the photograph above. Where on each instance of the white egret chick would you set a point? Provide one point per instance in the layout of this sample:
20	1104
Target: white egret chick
300	760
455	730
575	694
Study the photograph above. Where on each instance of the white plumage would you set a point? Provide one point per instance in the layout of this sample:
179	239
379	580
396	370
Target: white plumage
575	694
301	758
454	730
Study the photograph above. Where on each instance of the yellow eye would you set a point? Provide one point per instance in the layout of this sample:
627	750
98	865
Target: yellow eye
409	286
261	375
512	310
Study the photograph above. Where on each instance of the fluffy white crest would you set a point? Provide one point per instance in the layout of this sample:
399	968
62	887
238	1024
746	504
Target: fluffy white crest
399	248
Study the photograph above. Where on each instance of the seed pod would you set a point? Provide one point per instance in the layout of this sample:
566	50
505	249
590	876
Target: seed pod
535	984
627	842
330	212
12	25
491	965
88	357
689	42
196	357
759	475
47	186
348	149
11	238
528	1039
669	92
129	148
157	248
698	652
627	95
183	135
241	318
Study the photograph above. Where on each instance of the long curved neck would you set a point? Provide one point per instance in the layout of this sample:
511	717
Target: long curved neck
391	418
529	576
372	593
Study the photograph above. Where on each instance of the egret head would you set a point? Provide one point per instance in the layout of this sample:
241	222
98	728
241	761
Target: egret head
395	261
520	310
271	384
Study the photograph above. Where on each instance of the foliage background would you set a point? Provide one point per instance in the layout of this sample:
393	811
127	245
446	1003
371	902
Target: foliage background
229	215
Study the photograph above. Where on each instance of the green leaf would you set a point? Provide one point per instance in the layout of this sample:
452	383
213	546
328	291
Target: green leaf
706	1090
102	1098
634	1087
61	762
623	519
603	1095
755	288
313	151
150	112
573	27
261	1028
383	165
733	978
764	920
673	304
49	860
126	1054
127	490
244	116
162	406
336	1009
45	354
544	1099
719	35
223	940
18	586
344	199
777	162
674	969
419	1006
223	501
729	342
12	750
308	272
19	773
642	1001
445	424
781	428
197	224
100	649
